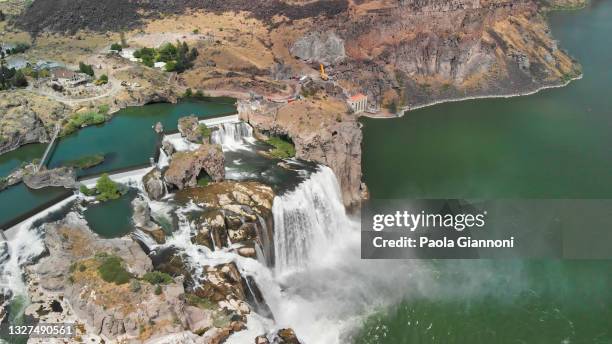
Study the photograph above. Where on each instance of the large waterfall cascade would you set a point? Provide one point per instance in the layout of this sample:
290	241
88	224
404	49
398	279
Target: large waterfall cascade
308	221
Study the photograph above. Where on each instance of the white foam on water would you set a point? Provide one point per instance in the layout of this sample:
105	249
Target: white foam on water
25	245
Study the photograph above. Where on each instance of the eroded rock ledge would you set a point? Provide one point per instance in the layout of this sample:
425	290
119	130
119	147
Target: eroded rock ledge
323	131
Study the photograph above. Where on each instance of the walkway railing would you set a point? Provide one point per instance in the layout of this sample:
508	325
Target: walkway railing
49	147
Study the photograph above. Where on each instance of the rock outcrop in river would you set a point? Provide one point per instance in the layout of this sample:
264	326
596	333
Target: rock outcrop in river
190	129
238	213
323	132
58	177
186	167
153	184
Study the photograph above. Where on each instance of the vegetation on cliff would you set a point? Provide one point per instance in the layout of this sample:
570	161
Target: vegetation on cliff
283	149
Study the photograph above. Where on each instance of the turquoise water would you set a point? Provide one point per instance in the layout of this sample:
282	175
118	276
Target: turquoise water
113	218
14	159
127	140
555	144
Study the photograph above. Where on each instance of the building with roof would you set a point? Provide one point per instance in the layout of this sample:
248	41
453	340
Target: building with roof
358	103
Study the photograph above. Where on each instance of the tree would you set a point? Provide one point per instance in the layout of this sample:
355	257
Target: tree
103	80
86	69
19	80
107	189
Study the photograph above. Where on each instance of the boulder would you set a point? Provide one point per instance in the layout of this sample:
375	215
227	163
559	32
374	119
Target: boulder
142	220
63	176
286	336
154	184
158	128
189	127
186	167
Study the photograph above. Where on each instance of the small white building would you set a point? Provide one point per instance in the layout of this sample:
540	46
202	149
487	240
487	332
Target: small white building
358	103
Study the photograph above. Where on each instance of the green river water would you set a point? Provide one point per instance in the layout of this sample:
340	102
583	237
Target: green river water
127	140
555	144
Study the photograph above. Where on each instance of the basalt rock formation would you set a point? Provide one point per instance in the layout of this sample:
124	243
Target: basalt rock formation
26	119
323	133
186	167
154	184
239	213
410	53
58	177
134	311
189	127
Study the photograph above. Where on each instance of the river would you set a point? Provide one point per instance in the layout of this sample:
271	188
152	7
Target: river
126	141
555	144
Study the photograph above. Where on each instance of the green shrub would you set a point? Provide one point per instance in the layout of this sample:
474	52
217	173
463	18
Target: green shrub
82	268
116	47
188	93
157	277
282	149
19	79
103	80
112	271
158	290
204	181
103	109
87	69
134	286
87	191
204	130
107	189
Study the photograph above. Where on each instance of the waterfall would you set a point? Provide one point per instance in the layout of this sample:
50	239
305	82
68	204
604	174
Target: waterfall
308	221
232	136
26	245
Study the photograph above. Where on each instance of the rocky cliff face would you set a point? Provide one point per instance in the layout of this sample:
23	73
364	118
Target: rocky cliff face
414	52
322	131
26	119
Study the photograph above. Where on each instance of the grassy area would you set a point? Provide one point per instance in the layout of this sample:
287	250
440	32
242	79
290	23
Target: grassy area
204	181
283	149
111	269
86	161
80	120
157	277
199	302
